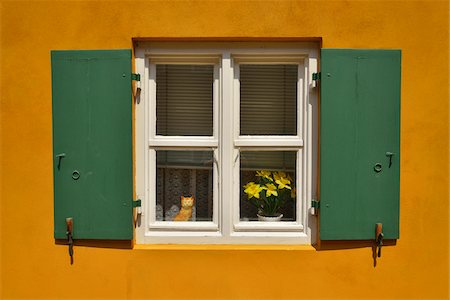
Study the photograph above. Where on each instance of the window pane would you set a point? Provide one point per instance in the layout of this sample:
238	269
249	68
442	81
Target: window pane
184	174
184	100
268	99
267	185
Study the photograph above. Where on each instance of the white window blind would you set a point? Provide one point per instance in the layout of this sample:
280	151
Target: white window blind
268	99
268	160
184	100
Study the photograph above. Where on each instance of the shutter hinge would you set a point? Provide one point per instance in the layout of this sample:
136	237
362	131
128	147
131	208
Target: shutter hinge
315	205
315	79
137	203
136	76
137	93
316	76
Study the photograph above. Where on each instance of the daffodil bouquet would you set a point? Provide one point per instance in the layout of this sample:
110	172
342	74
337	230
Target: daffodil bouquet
270	192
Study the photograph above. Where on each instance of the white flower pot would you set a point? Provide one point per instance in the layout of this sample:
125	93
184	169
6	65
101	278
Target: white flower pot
269	219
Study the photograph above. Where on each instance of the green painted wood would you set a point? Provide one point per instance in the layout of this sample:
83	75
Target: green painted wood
359	124
92	126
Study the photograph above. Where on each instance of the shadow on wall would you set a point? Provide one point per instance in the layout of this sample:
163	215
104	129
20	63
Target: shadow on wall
321	246
340	245
116	244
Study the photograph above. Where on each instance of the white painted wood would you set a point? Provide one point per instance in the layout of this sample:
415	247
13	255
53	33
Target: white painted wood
226	143
312	131
181	237
216	99
216	188
205	237
182	59
140	142
301	100
184	226
183	141
158	140
268	141
151	184
268	226
267	59
273	143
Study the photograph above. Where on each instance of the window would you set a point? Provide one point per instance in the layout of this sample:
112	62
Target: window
213	121
210	120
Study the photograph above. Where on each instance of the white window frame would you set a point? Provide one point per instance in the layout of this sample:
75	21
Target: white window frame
226	228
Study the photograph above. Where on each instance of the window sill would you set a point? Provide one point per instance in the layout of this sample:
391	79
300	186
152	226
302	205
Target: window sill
210	247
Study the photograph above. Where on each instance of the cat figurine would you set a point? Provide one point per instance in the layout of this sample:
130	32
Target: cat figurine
185	214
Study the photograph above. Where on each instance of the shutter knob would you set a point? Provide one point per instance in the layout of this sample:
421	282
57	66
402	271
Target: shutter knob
75	175
377	168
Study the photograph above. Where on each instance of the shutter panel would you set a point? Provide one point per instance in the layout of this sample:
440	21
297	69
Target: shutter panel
359	127
92	132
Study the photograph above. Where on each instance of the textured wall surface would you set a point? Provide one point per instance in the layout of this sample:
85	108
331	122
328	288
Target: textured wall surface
32	266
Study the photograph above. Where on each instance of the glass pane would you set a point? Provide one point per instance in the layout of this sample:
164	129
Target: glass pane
184	100
267	185
181	175
268	99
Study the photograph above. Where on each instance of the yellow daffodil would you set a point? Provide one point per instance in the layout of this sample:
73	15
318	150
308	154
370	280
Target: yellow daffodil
281	176
248	185
283	183
277	187
271	189
265	174
252	189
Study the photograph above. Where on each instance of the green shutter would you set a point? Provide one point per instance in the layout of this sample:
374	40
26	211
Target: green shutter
359	127
92	133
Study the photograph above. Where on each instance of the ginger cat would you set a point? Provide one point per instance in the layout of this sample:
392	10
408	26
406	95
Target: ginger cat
186	209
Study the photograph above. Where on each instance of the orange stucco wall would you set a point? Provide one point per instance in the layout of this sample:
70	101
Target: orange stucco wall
32	266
